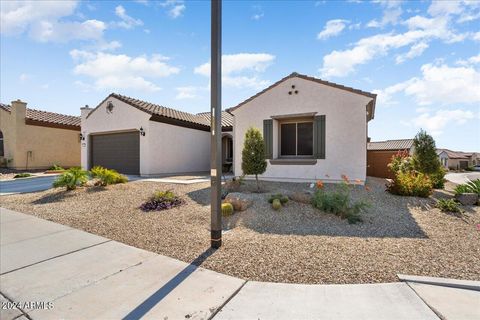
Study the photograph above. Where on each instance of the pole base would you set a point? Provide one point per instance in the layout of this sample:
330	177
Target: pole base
216	239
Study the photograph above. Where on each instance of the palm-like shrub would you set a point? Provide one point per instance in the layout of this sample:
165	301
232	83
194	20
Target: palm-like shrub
107	176
72	178
469	187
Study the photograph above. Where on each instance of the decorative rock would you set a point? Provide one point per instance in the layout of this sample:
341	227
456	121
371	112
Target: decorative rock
468	199
240	201
302	197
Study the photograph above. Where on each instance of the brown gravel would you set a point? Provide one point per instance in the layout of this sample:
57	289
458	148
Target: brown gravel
296	244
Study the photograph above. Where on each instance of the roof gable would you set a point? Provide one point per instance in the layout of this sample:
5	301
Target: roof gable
400	144
371	105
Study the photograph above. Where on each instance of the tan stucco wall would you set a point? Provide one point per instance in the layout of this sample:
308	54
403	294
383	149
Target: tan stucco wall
346	129
45	146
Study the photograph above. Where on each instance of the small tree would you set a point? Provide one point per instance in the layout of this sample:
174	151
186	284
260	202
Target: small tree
426	159
253	154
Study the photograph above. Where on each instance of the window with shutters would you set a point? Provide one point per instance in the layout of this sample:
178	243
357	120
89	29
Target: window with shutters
296	138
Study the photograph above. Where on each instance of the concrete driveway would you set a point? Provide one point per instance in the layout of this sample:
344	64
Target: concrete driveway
26	185
462	177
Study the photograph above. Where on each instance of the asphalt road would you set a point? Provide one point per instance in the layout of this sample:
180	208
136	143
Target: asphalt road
462	177
26	185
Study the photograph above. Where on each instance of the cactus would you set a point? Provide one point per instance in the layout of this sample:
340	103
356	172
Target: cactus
283	199
276	204
227	209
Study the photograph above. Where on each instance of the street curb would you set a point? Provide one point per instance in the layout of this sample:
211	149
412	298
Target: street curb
452	283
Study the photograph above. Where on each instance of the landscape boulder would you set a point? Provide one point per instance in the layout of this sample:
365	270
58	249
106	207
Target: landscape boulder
239	201
301	196
467	199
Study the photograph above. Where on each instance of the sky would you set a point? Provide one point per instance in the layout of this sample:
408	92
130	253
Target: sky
421	58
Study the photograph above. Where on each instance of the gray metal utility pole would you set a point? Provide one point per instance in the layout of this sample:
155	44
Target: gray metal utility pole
216	124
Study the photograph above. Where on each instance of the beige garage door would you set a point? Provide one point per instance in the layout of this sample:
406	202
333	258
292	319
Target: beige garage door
119	151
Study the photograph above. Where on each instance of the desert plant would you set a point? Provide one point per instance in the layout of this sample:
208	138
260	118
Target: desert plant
426	160
227	209
71	178
411	184
448	205
401	162
276	204
107	176
469	168
56	167
283	199
438	178
22	175
162	200
469	187
339	202
253	154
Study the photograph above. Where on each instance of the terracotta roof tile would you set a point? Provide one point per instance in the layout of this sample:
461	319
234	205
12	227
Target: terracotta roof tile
455	154
401	144
48	117
227	118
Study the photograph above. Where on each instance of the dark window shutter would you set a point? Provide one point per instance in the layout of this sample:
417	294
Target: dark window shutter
319	136
268	137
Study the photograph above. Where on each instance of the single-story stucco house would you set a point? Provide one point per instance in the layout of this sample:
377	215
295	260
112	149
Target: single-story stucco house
458	160
313	129
35	139
139	137
379	155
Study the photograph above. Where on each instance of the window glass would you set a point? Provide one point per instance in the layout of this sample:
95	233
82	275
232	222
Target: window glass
288	139
305	139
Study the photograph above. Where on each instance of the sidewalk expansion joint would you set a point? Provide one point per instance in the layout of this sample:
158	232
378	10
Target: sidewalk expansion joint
227	301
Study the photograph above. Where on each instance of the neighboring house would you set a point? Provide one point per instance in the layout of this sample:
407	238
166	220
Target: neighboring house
313	129
379	155
458	160
138	137
34	139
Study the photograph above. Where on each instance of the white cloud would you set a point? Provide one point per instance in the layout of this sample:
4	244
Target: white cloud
332	28
415	51
121	71
439	85
41	19
241	70
187	92
127	21
24	77
476	36
392	11
435	123
470	61
258	16
175	8
421	30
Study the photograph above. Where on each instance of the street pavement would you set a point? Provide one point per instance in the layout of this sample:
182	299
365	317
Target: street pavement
462	177
51	271
24	185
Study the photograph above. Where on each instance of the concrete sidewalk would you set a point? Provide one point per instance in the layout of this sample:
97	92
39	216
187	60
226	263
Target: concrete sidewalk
50	271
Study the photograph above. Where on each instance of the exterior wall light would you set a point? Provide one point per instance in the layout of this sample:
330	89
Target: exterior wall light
142	132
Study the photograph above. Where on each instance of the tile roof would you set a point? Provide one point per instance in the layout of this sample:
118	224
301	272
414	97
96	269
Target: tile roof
401	144
227	118
305	77
47	117
455	154
202	119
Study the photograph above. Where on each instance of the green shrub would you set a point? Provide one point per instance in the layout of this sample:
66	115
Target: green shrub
276	204
162	200
469	168
283	199
253	154
401	162
227	209
448	205
22	175
72	178
469	187
107	176
56	167
339	203
411	184
438	178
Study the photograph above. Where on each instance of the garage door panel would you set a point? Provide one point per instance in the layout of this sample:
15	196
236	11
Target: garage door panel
119	151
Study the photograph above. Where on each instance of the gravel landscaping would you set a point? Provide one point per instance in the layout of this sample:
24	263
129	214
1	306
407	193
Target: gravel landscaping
295	244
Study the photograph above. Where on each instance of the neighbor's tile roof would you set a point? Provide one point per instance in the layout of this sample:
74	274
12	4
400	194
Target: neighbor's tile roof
402	144
455	154
47	117
227	118
202	119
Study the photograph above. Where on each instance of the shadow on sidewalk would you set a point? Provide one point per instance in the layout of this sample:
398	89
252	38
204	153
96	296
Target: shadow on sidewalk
161	293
